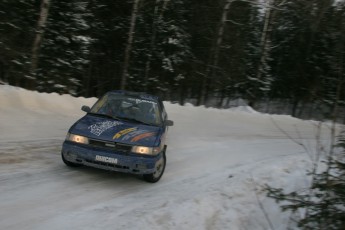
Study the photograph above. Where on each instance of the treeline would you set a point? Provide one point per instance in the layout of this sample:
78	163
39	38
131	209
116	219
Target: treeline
209	50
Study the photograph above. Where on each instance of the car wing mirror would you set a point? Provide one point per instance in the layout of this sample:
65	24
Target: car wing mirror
169	123
86	108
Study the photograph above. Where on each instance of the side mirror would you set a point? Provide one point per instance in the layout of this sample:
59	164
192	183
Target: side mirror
169	123
86	108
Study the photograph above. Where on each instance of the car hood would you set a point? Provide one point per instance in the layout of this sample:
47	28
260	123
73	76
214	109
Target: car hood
111	130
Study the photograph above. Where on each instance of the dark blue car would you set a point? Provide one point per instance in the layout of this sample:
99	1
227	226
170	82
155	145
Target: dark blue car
123	131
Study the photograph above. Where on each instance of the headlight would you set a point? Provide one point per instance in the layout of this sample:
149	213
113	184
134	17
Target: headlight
77	138
146	150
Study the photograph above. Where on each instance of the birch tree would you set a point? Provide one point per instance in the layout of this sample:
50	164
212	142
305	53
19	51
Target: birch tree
261	83
41	24
129	43
265	45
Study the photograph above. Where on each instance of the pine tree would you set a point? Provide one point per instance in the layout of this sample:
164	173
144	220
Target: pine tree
324	202
299	60
18	21
331	54
65	49
213	64
161	49
109	25
240	52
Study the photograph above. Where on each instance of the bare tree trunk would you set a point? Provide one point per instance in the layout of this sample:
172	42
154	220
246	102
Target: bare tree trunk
215	56
129	44
152	44
220	35
3	70
265	39
42	21
341	74
165	5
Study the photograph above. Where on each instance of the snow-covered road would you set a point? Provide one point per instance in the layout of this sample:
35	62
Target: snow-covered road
218	162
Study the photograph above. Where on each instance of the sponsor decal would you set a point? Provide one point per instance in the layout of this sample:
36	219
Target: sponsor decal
133	134
98	128
142	136
106	159
147	97
138	101
124	132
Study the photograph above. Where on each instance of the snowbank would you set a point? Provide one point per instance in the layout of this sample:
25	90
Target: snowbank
27	115
218	162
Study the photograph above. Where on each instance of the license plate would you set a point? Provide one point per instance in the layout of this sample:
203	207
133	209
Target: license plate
106	159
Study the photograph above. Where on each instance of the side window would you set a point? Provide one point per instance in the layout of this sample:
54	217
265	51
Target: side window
99	104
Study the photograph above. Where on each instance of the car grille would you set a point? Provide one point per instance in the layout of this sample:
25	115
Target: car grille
111	145
107	164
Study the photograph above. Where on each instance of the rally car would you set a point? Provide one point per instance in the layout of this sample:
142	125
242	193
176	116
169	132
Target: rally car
123	131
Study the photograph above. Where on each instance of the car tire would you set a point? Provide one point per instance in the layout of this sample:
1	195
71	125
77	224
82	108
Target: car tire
68	163
156	176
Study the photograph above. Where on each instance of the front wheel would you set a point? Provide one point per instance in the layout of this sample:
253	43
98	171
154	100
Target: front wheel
159	170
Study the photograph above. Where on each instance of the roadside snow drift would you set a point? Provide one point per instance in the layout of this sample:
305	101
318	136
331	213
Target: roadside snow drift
217	164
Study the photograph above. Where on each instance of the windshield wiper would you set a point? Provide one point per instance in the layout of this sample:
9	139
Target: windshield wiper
104	115
134	120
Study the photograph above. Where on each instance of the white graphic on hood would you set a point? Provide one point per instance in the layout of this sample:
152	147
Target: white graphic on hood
100	127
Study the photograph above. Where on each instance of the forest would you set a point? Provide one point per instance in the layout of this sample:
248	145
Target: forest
282	56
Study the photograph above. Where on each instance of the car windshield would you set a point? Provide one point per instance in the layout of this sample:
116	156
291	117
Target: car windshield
127	107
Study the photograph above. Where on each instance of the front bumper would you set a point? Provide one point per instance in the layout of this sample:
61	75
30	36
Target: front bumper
119	161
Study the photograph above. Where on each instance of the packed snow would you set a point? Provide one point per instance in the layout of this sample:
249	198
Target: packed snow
218	162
